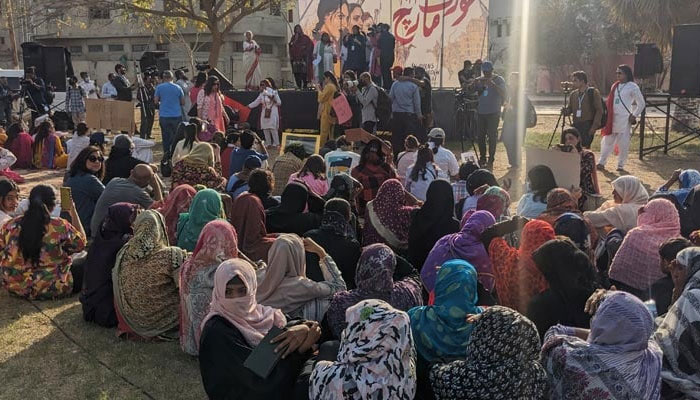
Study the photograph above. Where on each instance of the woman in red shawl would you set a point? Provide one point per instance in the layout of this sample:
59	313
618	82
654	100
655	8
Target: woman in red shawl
517	276
177	202
249	220
301	50
388	216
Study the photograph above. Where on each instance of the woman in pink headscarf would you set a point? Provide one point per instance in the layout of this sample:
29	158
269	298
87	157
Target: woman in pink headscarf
388	216
217	243
636	263
177	202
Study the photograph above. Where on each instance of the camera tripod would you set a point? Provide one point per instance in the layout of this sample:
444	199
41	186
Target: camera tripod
562	117
465	121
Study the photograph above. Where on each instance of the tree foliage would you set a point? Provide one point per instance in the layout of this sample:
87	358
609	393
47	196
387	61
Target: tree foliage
653	19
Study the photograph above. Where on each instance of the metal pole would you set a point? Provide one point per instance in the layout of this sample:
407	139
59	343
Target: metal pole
442	48
642	125
668	123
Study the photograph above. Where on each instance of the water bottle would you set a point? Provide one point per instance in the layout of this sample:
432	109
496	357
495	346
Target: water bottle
651	306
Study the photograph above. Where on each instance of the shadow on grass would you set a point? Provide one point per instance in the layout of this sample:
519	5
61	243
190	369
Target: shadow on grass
85	361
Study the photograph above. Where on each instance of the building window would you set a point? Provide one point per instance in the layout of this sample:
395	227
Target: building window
76	49
163	46
202	47
139	47
2	40
499	30
98	13
95	48
116	47
266	48
507	28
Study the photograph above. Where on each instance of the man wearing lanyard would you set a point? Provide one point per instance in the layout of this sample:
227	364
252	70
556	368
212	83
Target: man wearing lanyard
624	114
586	107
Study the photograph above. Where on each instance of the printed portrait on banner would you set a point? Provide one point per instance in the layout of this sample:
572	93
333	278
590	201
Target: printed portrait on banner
435	34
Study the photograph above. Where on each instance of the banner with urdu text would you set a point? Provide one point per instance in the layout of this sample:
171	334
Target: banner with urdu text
435	34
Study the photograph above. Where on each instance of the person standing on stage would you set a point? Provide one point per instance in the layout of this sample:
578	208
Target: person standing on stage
122	84
492	95
586	108
368	95
622	114
185	84
88	86
148	107
324	57
170	99
75	101
108	89
251	62
301	51
36	89
465	75
405	111
387	44
355	44
269	115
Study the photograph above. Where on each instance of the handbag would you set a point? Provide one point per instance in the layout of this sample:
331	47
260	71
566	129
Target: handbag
268	112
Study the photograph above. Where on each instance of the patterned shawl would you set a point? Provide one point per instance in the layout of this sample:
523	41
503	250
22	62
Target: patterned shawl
336	223
679	333
145	291
376	359
250	318
559	201
494	200
177	202
517	276
441	329
285	284
375	270
465	245
206	206
637	261
389	214
501	361
618	361
217	243
201	156
249	220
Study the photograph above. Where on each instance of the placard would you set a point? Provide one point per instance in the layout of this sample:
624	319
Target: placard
311	142
361	135
110	114
342	109
565	166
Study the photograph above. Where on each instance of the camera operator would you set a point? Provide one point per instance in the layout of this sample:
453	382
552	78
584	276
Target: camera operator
122	84
586	107
36	91
492	95
148	107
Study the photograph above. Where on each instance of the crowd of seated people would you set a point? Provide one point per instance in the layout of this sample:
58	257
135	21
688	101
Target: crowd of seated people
385	283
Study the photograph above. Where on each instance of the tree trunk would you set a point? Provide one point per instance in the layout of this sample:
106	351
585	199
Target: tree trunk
217	41
13	39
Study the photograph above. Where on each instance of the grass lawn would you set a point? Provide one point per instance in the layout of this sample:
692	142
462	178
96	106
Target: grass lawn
48	352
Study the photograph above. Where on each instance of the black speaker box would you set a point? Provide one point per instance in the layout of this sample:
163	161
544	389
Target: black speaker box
648	60
52	63
158	59
685	60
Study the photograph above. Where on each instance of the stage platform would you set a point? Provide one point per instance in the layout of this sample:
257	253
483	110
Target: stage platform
300	107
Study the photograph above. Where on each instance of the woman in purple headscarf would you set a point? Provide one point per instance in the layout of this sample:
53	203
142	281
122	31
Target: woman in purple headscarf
374	281
464	245
613	360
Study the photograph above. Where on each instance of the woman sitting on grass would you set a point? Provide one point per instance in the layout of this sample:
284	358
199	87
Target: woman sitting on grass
36	249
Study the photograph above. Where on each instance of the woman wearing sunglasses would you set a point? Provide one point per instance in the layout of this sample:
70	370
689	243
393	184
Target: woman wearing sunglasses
85	181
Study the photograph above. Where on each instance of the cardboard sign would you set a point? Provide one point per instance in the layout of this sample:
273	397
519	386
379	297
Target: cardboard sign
361	135
110	114
565	166
342	109
312	143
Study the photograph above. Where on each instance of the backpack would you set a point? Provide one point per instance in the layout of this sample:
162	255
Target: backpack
383	107
604	118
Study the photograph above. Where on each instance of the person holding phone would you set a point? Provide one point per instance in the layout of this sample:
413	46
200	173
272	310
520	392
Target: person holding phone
36	249
235	325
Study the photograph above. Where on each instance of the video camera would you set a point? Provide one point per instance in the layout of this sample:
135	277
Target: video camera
151	71
202	67
567	87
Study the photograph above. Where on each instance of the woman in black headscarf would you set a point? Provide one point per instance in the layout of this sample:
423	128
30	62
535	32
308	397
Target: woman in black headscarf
432	221
572	280
97	296
289	216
